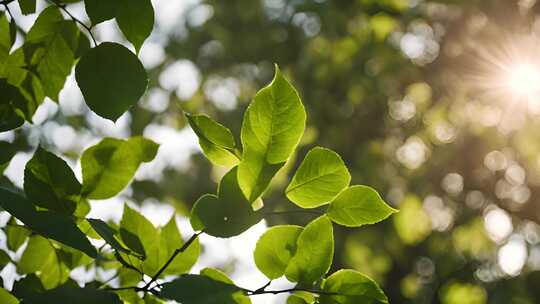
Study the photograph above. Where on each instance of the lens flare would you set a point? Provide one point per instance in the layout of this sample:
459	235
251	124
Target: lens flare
524	80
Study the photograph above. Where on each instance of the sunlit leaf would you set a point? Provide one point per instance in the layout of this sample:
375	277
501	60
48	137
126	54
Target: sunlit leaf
314	253
53	42
357	206
38	252
6	40
352	287
137	232
7	298
170	241
16	235
109	166
275	249
216	141
272	127
320	177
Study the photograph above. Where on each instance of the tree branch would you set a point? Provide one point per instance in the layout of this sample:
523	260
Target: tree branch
75	19
288	290
171	259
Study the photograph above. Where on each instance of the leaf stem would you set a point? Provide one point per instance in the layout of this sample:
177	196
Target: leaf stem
75	19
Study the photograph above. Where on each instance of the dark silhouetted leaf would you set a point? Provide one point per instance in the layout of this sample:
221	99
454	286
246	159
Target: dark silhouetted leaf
136	20
111	78
227	214
49	182
100	10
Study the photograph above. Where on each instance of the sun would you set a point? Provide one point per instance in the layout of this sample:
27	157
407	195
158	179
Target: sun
524	80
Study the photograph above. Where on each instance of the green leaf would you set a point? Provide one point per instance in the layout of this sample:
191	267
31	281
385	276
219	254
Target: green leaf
227	214
27	6
218	275
275	249
38	253
109	166
200	289
357	206
62	229
111	78
53	42
50	183
301	297
273	125
137	232
7	298
353	288
65	294
108	234
156	246
16	235
314	253
216	141
320	177
9	118
42	258
136	20
26	91
159	245
26	286
4	259
51	225
171	240
7	151
100	10
6	39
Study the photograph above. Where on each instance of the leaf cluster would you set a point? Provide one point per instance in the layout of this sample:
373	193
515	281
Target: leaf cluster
50	214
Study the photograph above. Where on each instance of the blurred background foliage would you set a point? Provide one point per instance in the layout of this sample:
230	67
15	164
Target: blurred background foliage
400	89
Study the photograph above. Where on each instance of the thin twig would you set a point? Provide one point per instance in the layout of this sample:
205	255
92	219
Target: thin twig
264	287
260	292
126	264
75	19
171	259
8	10
103	284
